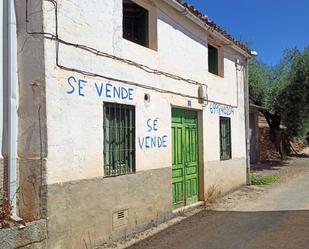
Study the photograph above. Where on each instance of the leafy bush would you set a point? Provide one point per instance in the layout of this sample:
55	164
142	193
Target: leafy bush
259	180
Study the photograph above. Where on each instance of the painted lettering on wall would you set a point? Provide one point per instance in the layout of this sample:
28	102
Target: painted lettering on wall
221	109
153	140
107	90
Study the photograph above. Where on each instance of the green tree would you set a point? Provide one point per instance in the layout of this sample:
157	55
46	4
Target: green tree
280	75
284	91
259	81
292	99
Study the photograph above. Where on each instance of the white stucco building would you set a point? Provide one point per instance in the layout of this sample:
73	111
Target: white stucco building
127	110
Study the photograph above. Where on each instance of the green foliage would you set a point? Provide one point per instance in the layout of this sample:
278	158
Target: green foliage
284	88
280	74
292	101
259	78
258	180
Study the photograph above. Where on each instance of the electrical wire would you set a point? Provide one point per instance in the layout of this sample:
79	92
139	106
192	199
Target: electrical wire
146	68
104	54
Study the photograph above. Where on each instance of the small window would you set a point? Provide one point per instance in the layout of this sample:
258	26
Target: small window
119	139
135	23
213	60
225	138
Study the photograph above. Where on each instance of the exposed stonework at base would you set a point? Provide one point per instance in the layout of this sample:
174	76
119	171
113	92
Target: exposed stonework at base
1	180
85	211
30	196
32	236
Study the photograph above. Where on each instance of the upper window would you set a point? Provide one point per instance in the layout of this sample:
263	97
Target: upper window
135	23
213	60
225	138
119	139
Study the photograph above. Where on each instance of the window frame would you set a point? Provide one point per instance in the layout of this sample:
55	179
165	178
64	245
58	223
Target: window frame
219	59
152	24
137	23
215	58
115	130
223	154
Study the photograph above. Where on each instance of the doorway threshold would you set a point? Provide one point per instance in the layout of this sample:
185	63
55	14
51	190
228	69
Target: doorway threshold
189	207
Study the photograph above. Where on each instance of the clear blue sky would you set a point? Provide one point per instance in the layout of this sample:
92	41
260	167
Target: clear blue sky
269	25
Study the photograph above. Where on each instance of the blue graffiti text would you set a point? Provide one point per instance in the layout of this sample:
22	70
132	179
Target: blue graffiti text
150	142
221	109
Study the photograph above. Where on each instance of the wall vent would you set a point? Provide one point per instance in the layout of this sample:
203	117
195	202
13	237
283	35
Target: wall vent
120	215
120	219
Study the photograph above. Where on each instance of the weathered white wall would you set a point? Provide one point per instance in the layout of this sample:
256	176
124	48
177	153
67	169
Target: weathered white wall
74	122
62	146
31	133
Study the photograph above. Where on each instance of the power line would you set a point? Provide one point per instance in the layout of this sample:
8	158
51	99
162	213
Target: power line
146	68
104	54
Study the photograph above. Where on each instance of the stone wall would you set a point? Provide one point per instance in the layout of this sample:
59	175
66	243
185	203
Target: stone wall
1	180
267	148
33	236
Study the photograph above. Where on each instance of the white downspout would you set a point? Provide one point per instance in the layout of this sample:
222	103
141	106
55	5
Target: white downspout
12	103
247	115
246	92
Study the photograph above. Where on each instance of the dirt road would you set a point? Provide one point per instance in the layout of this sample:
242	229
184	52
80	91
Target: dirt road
256	217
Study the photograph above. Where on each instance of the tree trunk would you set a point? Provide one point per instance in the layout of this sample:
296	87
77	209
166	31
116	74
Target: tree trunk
276	134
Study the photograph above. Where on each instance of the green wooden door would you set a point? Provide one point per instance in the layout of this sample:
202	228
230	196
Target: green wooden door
184	157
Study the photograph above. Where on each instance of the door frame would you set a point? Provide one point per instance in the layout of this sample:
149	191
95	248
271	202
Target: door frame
200	145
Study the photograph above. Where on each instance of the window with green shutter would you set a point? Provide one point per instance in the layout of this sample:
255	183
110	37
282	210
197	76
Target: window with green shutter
119	139
225	138
213	60
135	23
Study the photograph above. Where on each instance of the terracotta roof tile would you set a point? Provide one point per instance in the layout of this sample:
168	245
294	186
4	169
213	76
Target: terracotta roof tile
213	25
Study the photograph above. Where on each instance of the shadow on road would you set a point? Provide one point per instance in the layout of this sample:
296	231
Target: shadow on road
235	230
303	155
269	165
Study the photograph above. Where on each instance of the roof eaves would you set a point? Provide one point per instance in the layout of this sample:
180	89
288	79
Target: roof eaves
257	107
214	26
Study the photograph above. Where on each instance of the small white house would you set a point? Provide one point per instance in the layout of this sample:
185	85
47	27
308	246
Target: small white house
126	111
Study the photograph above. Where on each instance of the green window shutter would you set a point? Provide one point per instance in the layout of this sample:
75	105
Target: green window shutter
212	59
143	26
135	23
225	138
229	145
119	139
